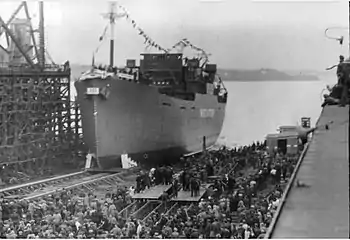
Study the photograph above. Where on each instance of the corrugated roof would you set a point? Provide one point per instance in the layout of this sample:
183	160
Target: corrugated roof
288	126
288	134
282	135
272	135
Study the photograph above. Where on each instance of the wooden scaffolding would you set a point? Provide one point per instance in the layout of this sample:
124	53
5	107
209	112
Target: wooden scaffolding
39	129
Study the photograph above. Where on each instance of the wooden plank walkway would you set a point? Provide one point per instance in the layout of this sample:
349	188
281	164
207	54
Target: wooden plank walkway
185	196
321	209
153	193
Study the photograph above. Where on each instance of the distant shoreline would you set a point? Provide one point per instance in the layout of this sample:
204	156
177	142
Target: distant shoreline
237	75
273	80
263	75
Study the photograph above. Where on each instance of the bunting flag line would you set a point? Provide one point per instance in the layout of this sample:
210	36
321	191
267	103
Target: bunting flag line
151	43
186	43
103	34
148	41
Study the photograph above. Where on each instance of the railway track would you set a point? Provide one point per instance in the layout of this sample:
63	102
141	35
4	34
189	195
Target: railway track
82	180
85	181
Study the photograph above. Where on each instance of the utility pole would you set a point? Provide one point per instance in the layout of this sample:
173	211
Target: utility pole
112	15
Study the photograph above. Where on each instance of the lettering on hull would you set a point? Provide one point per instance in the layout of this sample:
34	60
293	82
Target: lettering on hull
92	91
207	113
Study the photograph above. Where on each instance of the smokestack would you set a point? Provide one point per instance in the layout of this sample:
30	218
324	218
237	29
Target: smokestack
41	35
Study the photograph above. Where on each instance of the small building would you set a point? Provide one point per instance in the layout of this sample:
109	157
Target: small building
285	142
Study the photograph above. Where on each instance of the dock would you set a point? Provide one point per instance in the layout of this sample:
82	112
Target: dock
185	196
318	207
152	193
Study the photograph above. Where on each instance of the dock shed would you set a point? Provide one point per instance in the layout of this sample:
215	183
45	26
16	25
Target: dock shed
285	142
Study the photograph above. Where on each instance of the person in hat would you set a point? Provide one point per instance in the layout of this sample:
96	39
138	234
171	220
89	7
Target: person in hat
175	185
139	229
157	235
339	68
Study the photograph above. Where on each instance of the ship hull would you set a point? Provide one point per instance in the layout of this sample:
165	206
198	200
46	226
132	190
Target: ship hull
151	128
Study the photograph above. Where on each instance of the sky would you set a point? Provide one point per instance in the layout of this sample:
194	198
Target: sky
238	34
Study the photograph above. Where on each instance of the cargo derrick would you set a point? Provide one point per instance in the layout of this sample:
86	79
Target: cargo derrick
37	131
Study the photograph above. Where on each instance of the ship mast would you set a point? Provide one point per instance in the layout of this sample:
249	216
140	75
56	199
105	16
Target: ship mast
112	15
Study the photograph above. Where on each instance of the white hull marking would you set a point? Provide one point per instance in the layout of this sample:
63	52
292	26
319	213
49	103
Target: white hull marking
207	113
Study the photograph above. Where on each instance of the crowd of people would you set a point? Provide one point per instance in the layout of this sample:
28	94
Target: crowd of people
238	205
245	191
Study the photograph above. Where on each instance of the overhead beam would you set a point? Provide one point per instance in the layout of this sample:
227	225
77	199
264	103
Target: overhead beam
10	20
41	35
31	29
4	49
13	38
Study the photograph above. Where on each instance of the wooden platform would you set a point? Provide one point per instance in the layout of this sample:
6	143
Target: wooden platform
321	209
153	193
185	196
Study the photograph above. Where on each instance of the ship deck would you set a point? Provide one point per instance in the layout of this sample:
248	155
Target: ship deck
321	208
185	196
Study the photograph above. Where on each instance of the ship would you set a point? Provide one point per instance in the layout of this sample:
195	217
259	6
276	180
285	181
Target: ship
150	113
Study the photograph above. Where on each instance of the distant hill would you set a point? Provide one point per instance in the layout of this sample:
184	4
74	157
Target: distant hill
321	73
264	75
234	75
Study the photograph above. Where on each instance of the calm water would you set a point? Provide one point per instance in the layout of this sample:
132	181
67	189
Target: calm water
256	109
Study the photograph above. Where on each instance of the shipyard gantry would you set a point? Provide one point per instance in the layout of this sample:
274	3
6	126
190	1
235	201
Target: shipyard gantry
38	126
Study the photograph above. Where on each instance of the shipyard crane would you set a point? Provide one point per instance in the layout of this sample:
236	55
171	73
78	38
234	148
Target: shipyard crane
38	61
36	121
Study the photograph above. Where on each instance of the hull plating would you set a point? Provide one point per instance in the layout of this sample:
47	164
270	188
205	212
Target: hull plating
150	127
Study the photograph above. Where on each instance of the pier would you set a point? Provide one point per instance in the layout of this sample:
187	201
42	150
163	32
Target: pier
316	201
